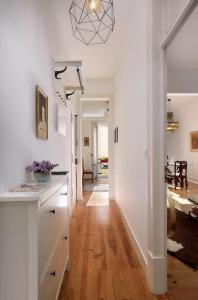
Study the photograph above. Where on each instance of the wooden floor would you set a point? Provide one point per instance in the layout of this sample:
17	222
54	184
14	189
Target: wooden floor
103	264
183	280
192	189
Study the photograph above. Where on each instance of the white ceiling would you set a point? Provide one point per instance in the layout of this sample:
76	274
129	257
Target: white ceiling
183	52
99	61
178	101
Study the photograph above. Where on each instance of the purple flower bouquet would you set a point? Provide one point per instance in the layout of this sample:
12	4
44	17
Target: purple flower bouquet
41	169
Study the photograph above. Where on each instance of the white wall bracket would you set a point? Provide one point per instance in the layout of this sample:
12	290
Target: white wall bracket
65	64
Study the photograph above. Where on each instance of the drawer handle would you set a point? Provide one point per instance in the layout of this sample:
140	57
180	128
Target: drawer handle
65	238
52	211
63	194
53	273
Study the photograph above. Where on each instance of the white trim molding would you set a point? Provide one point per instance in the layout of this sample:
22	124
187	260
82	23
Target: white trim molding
157	95
193	179
154	267
156	150
180	21
182	95
156	271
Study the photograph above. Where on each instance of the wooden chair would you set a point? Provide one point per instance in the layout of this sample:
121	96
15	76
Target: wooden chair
87	172
179	176
104	164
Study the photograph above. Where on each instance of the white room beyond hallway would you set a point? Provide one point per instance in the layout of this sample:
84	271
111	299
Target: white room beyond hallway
95	150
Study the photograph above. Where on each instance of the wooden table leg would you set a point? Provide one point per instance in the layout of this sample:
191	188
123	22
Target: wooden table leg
172	215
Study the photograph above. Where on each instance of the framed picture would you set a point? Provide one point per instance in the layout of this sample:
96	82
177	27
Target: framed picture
86	141
116	135
41	114
194	141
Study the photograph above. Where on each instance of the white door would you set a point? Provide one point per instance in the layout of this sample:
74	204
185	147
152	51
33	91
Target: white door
73	160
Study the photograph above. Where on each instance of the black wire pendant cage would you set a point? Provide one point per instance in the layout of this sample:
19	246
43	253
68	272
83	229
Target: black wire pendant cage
92	20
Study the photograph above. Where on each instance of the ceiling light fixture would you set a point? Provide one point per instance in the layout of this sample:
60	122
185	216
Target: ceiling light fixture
92	20
171	124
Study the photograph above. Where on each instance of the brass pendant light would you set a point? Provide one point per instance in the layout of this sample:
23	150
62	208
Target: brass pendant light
171	125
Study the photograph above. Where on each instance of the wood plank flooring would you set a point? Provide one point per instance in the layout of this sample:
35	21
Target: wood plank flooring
192	189
182	280
103	264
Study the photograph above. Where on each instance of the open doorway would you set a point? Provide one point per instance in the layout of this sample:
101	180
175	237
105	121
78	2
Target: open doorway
182	160
102	151
95	152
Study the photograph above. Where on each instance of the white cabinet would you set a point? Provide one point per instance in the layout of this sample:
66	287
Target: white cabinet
34	242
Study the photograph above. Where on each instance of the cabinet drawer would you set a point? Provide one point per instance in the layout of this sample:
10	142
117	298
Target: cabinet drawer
52	218
51	281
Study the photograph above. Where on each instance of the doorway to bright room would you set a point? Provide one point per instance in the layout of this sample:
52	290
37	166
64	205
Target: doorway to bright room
182	160
102	153
95	152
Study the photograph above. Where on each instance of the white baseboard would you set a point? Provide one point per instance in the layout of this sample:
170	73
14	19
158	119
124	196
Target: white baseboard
152	266
193	180
134	242
157	267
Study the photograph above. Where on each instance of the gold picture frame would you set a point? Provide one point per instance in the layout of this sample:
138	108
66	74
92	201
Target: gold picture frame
194	141
86	141
41	114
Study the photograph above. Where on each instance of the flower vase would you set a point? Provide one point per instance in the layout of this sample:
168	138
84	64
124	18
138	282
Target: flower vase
41	177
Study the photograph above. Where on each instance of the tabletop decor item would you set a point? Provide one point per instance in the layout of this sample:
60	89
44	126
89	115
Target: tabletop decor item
41	170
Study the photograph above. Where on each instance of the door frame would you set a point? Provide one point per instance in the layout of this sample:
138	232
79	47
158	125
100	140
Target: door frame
73	160
157	90
95	148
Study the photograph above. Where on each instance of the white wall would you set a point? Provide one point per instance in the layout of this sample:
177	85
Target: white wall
99	87
178	143
140	78
103	140
139	114
182	80
131	166
28	33
94	109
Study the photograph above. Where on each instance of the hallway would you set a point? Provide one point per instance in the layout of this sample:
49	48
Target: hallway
90	100
103	264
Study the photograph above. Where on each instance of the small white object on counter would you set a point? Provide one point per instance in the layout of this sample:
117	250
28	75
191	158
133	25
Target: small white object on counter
34	240
48	188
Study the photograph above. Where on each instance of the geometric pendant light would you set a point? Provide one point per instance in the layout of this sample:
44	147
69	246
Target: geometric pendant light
92	20
171	125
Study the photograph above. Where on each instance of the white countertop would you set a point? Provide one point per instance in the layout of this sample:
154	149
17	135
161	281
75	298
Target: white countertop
49	188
